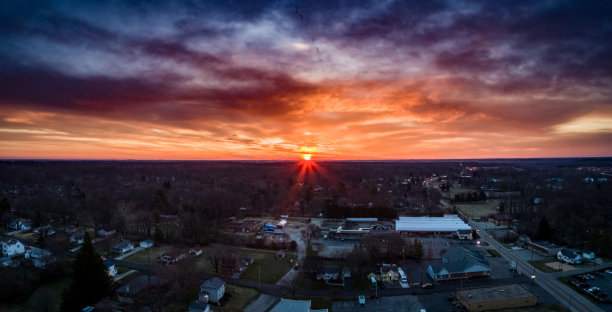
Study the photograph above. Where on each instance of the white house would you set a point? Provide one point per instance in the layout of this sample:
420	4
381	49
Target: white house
212	290
11	247
106	232
146	243
589	255
20	225
569	256
110	266
122	247
77	238
47	229
195	251
327	273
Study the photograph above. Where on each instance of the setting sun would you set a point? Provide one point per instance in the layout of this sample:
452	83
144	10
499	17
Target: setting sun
306	156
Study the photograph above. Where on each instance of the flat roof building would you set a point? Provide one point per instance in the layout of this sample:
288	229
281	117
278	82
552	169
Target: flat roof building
447	224
496	297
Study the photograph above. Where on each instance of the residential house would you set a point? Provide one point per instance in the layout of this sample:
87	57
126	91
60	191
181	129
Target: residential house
71	229
7	261
173	256
212	290
106	232
110	267
11	247
569	256
459	262
289	305
39	257
128	292
47	230
388	272
500	218
327	273
78	238
42	262
588	255
198	307
464	234
122	247
18	225
196	251
146	243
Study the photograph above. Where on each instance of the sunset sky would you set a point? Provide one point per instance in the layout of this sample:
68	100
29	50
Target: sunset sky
271	80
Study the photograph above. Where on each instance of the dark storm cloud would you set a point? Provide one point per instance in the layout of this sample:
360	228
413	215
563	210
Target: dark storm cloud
285	67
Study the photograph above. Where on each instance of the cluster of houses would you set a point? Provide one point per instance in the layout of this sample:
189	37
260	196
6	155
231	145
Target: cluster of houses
12	248
568	255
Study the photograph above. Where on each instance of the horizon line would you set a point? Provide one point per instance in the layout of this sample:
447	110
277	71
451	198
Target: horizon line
290	160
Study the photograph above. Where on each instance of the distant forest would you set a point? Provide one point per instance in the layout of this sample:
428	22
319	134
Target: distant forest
570	195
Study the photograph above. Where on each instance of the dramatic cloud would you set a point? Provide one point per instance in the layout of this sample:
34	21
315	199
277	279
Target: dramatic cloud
268	79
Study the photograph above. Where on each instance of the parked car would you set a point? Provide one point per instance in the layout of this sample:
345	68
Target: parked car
609	272
427	286
296	266
361	299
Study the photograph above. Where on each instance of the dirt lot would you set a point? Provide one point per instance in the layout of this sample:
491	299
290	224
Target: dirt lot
477	210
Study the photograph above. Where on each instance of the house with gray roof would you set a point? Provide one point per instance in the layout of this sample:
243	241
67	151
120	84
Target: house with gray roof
212	290
569	255
122	247
459	262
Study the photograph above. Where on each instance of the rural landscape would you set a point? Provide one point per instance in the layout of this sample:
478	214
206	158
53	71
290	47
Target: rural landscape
409	233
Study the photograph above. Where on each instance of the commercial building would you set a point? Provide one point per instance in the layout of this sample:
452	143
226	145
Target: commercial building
448	224
457	263
544	248
497	297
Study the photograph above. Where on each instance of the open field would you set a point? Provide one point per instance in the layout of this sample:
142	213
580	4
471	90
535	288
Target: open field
271	269
477	210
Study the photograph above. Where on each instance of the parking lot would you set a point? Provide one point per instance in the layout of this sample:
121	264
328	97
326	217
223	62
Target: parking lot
383	304
592	284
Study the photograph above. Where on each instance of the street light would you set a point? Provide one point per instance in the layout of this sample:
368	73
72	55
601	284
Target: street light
533	279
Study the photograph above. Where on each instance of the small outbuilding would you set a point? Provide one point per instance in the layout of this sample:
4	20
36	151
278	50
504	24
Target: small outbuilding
146	243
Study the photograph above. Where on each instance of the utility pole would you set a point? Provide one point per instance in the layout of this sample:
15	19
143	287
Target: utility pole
403	257
259	277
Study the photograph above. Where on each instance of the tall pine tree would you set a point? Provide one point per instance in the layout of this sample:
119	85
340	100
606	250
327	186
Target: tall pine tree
90	280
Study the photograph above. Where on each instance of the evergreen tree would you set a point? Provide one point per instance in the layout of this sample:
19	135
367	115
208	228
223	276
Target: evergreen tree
543	230
417	249
90	280
5	206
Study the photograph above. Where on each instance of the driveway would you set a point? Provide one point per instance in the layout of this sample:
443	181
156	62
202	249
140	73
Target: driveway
293	230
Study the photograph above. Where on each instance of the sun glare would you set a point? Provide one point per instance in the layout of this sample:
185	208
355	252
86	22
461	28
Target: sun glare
306	156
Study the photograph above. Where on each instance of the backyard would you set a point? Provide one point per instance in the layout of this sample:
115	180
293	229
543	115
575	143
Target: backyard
271	269
151	255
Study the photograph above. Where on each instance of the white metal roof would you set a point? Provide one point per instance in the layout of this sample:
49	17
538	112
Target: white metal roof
448	223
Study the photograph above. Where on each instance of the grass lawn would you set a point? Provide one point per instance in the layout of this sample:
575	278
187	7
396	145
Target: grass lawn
239	298
539	308
477	210
541	265
54	289
152	253
271	269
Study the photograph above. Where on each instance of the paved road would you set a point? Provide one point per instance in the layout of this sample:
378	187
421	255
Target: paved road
296	235
564	294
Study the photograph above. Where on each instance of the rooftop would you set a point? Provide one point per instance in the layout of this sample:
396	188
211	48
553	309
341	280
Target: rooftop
213	283
288	305
448	223
511	291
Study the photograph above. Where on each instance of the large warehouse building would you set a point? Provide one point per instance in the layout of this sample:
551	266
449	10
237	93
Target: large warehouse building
497	297
449	224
